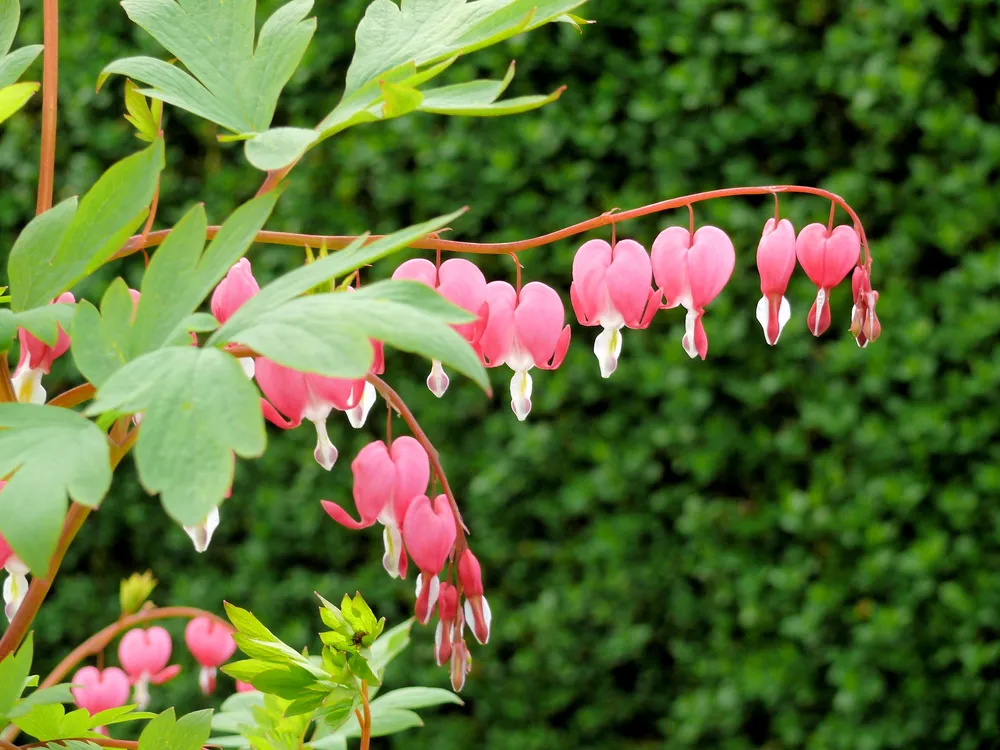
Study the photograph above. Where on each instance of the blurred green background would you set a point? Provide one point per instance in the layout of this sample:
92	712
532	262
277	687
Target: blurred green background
777	548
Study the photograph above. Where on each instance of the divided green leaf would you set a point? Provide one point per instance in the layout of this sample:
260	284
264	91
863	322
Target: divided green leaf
13	64
36	497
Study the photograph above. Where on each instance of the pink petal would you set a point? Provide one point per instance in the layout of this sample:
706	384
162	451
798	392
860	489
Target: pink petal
374	480
166	675
271	415
429	532
827	258
470	574
100	690
341	516
776	257
710	262
669	260
283	387
144	651
538	321
589	293
562	346
209	641
234	290
628	280
418	269
413	473
498	336
463	284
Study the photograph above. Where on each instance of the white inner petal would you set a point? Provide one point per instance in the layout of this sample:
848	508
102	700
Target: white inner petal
201	535
247	364
28	386
438	380
326	452
520	394
688	340
607	348
359	414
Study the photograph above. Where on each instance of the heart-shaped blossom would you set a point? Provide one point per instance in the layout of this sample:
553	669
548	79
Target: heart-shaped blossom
826	257
460	282
386	481
429	532
775	263
691	271
612	288
97	690
232	292
36	360
477	609
211	643
524	331
300	395
144	655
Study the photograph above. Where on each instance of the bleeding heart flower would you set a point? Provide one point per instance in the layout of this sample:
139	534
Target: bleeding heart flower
233	291
612	288
448	617
461	283
429	532
386	481
36	360
300	395
691	271
461	664
864	322
523	332
144	655
775	263
98	690
826	257
244	687
477	609
211	643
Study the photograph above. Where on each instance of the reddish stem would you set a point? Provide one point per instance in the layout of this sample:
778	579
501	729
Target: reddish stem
100	640
50	91
335	242
74	396
7	395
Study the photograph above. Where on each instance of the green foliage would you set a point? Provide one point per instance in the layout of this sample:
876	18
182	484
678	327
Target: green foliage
12	64
50	721
165	732
15	676
37	495
43	322
15	96
134	591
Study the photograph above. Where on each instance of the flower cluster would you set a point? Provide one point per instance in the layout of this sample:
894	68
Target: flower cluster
144	655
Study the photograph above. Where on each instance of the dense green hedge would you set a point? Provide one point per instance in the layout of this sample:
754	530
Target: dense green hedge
781	548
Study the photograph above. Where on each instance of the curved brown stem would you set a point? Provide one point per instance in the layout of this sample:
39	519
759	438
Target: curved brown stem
74	396
7	395
397	403
336	242
100	640
50	100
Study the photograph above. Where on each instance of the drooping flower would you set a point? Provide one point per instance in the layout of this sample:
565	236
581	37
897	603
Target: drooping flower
300	395
36	360
775	263
386	481
144	655
691	271
448	623
826	257
98	690
461	664
233	291
461	283
429	533
211	643
15	585
524	331
864	322
612	288
477	609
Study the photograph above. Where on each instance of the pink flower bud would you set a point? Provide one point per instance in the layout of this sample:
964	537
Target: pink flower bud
477	609
244	687
461	664
612	288
429	532
523	332
864	322
98	690
775	263
236	288
691	271
211	643
827	258
36	360
447	622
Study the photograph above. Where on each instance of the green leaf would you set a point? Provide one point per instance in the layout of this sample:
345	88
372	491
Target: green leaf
416	697
50	721
112	209
389	646
180	275
479	99
513	106
14	671
102	341
37	495
14	64
135	590
15	96
145	120
399	99
279	147
10	16
42	697
231	82
425	31
43	322
199	409
190	732
385	721
304	278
